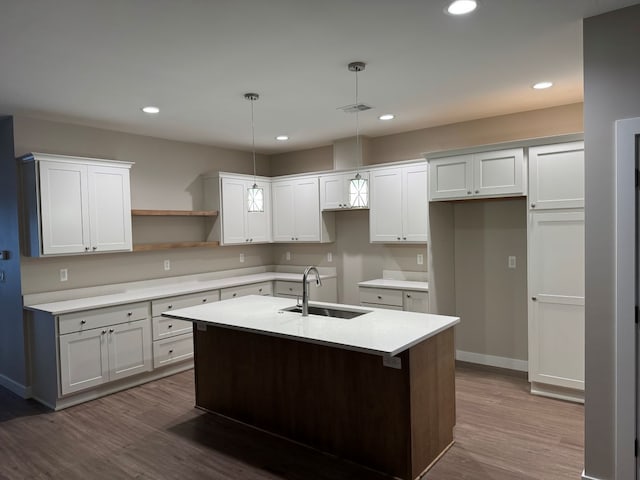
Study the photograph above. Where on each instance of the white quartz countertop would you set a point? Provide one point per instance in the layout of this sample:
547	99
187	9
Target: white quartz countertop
396	284
379	332
162	291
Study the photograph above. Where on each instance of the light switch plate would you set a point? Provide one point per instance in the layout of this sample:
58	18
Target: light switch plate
242	258
420	259
64	274
512	261
288	255
167	265
329	257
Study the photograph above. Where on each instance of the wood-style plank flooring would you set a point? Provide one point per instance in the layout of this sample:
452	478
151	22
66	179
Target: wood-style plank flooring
154	432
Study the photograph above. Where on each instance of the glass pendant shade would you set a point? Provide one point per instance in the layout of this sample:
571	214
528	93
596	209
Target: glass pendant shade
358	192
255	199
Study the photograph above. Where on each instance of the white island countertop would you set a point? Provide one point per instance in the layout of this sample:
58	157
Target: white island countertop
378	332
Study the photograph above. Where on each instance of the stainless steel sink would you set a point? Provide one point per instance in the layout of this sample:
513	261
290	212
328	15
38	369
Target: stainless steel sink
327	311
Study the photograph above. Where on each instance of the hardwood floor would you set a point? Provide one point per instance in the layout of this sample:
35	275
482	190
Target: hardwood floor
153	432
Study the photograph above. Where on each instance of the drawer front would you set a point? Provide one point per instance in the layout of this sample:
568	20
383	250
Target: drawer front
102	317
170	327
381	296
264	288
183	301
172	350
293	289
384	307
415	301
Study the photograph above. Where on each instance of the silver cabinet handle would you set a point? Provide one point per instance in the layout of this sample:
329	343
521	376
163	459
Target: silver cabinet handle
234	294
204	300
535	299
170	325
533	205
111	330
103	332
171	351
379	297
260	290
170	307
129	314
82	322
408	296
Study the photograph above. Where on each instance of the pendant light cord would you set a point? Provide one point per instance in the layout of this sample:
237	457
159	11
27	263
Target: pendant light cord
358	153
253	146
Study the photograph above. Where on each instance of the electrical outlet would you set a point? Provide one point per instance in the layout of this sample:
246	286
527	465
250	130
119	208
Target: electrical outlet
329	257
288	255
167	265
242	258
3	276
512	261
420	259
64	274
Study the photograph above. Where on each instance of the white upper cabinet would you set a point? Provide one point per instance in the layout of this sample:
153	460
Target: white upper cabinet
238	224
76	205
556	176
479	175
399	209
296	211
335	191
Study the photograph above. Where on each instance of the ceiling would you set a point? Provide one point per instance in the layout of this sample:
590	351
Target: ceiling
97	62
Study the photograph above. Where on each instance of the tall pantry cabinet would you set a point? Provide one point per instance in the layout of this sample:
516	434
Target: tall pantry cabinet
556	269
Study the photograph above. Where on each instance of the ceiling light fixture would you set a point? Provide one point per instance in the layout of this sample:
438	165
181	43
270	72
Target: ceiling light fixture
387	116
282	138
462	7
542	85
358	186
255	194
150	109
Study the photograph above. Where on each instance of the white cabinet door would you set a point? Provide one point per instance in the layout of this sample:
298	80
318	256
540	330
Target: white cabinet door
110	208
84	360
415	209
385	215
283	211
234	205
415	302
332	192
258	224
499	173
64	204
556	303
556	176
307	210
451	177
129	346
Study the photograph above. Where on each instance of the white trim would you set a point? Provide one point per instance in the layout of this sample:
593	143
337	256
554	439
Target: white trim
625	291
587	477
493	361
560	393
15	387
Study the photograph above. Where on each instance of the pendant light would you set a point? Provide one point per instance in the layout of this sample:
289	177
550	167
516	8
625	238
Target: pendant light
358	186
255	194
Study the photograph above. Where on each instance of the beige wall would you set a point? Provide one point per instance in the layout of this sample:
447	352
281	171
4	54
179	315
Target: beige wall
166	175
311	160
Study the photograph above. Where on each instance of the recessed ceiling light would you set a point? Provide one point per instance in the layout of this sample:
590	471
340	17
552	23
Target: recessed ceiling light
542	85
282	138
150	109
387	116
461	7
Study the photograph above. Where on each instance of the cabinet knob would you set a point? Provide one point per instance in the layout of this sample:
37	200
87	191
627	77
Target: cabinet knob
234	294
246	239
379	297
535	299
404	238
82	322
290	289
103	332
398	238
260	290
170	307
86	249
468	192
408	295
477	191
170	325
251	239
94	248
171	351
533	205
292	238
111	330
204	300
129	314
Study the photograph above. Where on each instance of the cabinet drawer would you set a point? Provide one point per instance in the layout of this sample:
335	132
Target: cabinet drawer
170	327
415	301
172	350
183	301
288	288
384	307
264	288
381	296
102	317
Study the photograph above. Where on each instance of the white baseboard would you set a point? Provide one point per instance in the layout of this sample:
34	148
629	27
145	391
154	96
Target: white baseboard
15	387
587	477
493	361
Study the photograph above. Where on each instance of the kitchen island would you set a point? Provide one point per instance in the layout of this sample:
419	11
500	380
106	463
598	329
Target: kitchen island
377	389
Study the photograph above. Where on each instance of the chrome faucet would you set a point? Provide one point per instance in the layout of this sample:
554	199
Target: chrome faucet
305	288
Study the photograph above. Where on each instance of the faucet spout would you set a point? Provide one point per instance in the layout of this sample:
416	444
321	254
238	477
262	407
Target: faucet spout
305	288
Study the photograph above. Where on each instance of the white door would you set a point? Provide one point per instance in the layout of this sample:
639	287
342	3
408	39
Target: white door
129	346
385	214
556	176
451	177
283	211
307	210
234	206
110	208
556	303
499	172
84	360
64	205
258	224
332	192
415	208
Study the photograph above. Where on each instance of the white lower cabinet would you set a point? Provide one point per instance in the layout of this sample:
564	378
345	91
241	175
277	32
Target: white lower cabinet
262	288
89	358
392	299
173	349
414	301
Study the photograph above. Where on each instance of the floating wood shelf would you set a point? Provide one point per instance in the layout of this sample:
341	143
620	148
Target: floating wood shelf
174	213
148	247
